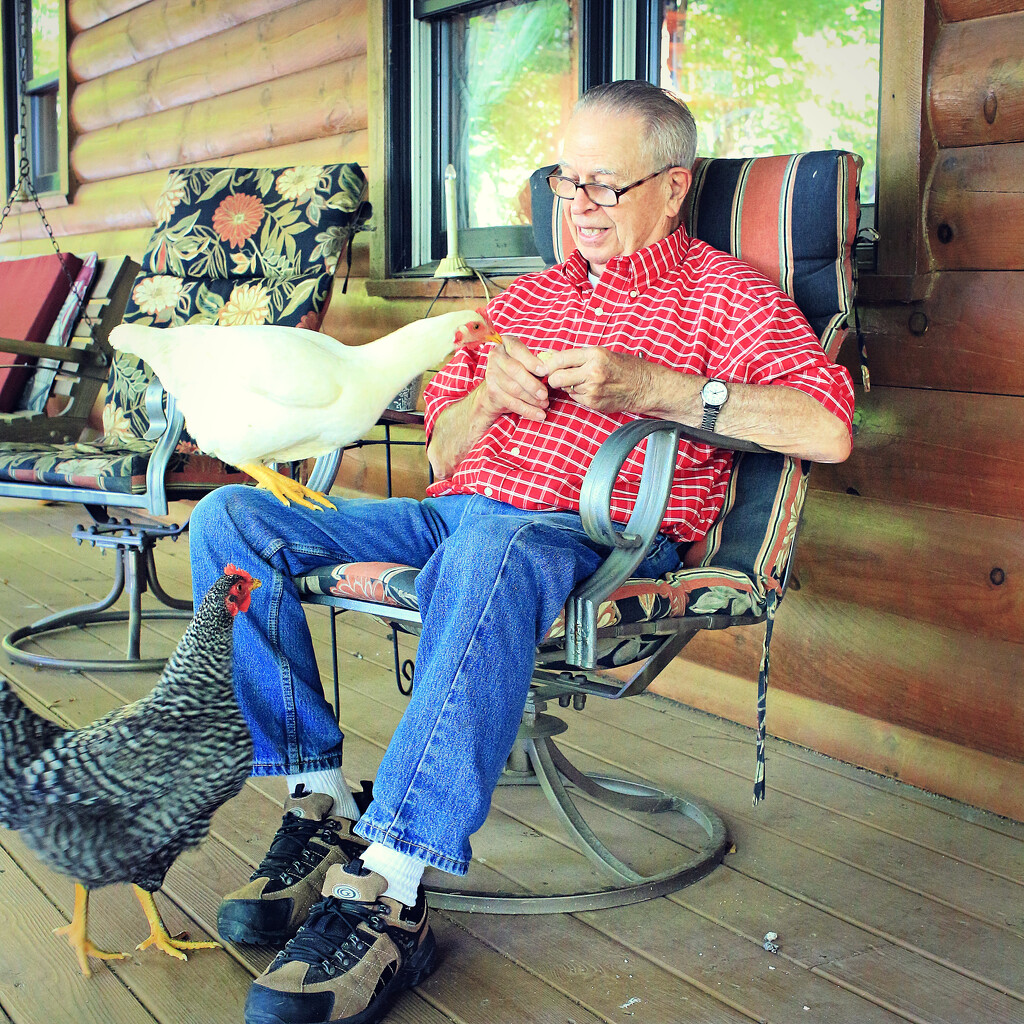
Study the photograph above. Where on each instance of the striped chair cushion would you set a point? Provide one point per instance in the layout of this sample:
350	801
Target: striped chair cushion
746	207
754	209
729	572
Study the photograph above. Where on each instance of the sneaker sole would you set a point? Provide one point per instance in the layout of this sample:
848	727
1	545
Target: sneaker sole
419	967
247	934
243	935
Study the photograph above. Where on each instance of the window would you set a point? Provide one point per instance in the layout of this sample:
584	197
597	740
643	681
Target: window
777	78
487	87
37	27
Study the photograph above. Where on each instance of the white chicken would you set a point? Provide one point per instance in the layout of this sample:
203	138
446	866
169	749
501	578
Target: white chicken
258	393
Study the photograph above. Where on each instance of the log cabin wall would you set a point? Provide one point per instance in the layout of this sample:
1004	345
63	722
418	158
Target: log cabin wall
899	647
162	83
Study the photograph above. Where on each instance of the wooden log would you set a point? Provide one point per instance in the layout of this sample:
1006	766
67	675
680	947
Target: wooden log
317	103
947	568
974	208
83	14
943	449
106	243
310	34
960	337
941	682
156	27
127	202
976	82
965	10
937	766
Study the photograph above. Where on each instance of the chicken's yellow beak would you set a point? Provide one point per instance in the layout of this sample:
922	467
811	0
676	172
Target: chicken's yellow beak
254	584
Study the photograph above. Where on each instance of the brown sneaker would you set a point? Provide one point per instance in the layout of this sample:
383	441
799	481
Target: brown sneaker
271	907
356	952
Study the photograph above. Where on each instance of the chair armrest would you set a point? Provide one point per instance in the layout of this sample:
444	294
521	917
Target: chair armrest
165	428
41	351
631	543
325	469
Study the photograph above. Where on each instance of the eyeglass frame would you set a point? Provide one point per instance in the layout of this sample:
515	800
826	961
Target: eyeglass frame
617	192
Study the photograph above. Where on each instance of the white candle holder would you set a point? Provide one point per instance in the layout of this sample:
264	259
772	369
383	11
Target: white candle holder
453	265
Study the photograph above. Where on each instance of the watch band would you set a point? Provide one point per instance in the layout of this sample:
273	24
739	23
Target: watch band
710	417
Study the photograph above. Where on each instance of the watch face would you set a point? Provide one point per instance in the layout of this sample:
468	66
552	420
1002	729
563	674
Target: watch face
714	393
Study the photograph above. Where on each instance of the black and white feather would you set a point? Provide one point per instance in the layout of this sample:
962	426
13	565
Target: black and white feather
118	800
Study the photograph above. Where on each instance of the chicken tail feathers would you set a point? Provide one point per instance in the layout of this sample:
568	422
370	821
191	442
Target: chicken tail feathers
23	735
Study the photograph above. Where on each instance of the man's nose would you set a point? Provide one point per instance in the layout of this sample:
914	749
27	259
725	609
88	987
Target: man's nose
581	202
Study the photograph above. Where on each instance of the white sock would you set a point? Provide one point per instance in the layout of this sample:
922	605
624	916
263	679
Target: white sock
332	783
402	871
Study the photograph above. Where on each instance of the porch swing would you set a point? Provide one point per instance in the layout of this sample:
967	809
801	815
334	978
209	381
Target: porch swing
145	457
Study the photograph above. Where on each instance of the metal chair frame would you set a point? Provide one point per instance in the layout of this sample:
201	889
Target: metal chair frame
535	758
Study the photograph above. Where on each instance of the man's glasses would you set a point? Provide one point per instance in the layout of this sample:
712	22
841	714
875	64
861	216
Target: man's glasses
601	195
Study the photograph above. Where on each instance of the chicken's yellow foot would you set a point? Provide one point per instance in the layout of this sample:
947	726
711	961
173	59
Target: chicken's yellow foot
77	933
284	488
158	934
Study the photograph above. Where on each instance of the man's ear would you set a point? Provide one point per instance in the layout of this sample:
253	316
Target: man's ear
679	179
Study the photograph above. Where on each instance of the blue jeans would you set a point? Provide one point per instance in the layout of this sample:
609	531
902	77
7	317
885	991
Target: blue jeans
493	580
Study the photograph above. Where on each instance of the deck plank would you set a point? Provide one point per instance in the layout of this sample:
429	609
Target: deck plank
904	916
889	903
211	985
40	981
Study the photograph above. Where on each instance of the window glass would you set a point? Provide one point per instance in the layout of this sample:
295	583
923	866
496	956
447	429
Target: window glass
513	82
45	38
766	78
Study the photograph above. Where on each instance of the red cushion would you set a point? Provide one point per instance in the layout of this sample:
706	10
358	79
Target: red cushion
32	292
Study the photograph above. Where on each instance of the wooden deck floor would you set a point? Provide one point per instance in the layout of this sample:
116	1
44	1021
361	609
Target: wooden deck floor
889	904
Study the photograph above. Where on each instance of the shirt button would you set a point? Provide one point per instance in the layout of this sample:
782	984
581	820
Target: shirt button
599	311
488	491
515	451
633	294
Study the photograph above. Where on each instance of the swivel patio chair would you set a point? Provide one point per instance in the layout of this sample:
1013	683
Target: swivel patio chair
231	246
794	219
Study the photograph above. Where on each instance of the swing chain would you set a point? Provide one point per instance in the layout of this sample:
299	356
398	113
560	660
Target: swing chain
24	178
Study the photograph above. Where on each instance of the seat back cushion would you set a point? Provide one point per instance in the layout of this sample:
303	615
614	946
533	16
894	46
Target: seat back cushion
794	219
32	292
234	246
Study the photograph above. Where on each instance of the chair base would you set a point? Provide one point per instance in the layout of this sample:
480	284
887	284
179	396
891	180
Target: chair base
536	760
134	571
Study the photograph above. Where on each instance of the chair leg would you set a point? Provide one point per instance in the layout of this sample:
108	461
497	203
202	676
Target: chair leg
537	760
134	572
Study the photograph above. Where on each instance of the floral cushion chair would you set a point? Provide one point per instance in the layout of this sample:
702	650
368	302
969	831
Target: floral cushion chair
231	246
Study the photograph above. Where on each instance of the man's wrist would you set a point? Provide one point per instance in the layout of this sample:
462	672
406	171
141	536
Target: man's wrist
674	395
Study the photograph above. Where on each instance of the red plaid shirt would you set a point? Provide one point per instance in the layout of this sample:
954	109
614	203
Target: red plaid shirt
679	303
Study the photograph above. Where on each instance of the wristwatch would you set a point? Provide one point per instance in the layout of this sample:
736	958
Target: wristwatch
714	395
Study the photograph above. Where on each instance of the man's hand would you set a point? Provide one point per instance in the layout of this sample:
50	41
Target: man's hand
513	383
601	379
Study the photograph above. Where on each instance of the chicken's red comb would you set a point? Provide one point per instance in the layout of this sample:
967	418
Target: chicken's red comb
233	570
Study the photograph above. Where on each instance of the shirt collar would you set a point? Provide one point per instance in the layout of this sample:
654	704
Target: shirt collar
641	268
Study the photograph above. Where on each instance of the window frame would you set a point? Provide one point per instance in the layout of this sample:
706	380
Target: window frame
55	185
618	39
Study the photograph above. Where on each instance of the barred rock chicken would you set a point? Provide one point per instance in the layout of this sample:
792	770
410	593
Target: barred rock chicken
118	800
258	393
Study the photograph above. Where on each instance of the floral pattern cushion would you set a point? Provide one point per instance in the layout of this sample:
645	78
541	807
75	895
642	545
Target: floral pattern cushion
111	465
235	246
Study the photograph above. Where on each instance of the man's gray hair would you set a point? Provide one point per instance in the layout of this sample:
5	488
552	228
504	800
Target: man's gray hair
670	136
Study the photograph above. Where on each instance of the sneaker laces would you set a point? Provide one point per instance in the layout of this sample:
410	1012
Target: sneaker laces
289	852
331	937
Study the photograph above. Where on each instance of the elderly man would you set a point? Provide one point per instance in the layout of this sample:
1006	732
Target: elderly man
640	320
